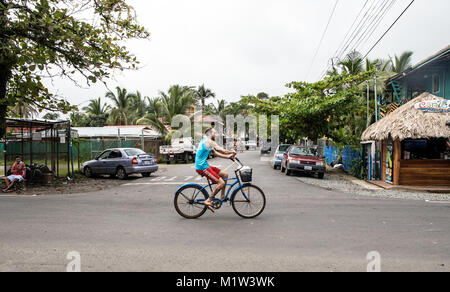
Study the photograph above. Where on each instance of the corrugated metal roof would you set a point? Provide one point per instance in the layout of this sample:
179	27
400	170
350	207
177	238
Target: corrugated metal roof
129	132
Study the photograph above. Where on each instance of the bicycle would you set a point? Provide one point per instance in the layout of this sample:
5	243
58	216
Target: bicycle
247	200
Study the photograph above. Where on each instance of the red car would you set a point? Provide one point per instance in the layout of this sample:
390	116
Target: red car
303	159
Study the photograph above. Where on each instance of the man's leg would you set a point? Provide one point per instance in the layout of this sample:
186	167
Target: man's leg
7	184
11	185
220	186
224	176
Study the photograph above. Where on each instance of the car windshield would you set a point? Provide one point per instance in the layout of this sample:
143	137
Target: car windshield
283	148
303	151
134	152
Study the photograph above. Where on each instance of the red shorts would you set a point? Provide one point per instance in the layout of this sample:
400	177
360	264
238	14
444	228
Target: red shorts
212	173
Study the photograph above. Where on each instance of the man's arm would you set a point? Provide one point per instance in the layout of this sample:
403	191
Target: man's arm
20	167
221	152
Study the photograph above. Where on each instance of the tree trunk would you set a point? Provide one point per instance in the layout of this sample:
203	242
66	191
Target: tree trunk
5	75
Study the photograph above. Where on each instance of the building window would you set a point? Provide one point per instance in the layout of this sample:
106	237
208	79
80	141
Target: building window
436	83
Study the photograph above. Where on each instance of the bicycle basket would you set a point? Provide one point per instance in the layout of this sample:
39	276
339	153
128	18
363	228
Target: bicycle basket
245	174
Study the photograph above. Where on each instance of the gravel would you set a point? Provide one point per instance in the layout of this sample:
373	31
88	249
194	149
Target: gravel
342	183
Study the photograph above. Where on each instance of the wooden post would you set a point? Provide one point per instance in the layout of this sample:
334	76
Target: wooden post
397	158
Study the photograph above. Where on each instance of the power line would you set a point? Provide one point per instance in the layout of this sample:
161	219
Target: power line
358	29
349	38
375	27
374	18
343	43
370	29
398	18
322	38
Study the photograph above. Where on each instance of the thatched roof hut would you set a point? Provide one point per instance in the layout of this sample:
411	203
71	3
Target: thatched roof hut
409	123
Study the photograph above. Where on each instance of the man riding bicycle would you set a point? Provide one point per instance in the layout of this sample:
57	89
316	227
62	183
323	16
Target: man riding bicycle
214	174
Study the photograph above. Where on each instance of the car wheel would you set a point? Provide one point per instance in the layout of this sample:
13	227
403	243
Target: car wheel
283	169
321	175
88	172
146	174
121	173
288	172
275	167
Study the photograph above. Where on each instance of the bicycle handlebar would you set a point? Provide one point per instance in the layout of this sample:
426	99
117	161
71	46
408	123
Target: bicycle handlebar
236	160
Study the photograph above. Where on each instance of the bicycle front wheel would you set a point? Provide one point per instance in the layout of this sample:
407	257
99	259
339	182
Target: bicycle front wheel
187	202
249	201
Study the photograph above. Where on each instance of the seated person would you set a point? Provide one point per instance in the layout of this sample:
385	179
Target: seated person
18	171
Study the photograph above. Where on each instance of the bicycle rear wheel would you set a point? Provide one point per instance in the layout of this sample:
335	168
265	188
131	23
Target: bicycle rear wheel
249	201
186	202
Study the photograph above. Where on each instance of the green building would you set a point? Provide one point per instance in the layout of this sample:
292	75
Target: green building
430	75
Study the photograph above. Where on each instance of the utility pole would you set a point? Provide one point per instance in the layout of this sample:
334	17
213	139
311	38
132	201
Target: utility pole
376	99
119	138
368	103
142	140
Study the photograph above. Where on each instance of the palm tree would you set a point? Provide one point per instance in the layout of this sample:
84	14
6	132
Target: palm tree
51	116
120	111
137	107
352	63
175	102
97	108
220	108
203	94
402	62
79	119
23	110
153	105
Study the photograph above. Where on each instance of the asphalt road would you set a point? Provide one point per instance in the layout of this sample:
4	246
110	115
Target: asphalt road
304	228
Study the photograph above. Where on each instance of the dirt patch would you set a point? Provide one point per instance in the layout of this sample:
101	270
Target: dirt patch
79	185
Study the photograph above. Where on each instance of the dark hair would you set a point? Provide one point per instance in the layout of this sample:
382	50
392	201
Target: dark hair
208	131
17	157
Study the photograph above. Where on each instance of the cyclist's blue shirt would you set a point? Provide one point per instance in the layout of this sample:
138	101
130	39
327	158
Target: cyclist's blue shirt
201	159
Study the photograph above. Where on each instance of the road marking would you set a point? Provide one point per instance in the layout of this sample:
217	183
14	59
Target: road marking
159	178
437	202
171	179
155	183
188	178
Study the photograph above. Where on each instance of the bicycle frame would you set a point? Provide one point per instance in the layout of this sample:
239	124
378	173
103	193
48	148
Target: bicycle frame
235	187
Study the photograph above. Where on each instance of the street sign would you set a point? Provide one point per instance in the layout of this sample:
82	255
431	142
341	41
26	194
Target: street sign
434	106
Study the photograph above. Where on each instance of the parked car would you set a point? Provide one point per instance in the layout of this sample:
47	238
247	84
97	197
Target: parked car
277	158
121	162
251	145
266	148
303	159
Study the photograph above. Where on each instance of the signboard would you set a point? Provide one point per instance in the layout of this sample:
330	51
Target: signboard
434	106
37	137
389	163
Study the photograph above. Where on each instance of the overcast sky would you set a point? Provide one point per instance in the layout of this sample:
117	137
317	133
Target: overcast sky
240	47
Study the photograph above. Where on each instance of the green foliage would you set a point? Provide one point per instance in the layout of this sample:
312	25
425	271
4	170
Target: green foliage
79	119
402	62
52	38
51	116
358	169
177	101
324	109
119	114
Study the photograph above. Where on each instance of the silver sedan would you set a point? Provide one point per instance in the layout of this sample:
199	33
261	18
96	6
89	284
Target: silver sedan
120	162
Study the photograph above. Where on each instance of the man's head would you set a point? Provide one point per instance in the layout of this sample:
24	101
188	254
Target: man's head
211	133
18	159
